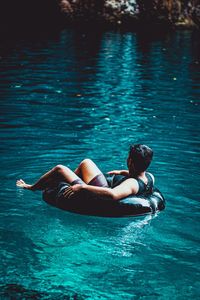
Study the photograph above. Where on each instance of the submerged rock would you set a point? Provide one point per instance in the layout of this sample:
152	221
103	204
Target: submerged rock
18	292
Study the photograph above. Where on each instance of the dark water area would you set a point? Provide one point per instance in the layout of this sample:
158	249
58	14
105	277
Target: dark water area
74	95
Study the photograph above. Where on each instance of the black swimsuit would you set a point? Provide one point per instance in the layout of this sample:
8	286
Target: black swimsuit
144	188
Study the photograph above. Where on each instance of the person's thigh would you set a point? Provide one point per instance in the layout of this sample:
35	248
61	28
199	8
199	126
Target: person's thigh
89	171
99	180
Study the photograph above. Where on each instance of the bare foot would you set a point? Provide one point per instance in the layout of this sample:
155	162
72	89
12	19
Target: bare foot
24	185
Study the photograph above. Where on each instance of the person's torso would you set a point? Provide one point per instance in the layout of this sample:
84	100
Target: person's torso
144	188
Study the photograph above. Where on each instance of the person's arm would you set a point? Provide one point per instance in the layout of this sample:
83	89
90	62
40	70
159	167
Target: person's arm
119	172
126	188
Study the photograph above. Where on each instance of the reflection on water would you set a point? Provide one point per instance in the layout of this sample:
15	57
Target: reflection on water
79	95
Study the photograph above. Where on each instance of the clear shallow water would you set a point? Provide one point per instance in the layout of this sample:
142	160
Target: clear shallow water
78	95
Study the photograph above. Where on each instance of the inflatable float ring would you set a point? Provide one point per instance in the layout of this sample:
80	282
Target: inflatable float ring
85	203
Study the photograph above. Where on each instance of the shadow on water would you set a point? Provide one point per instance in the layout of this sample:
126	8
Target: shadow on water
32	18
40	92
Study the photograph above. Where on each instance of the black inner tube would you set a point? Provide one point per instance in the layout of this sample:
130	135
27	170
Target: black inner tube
85	203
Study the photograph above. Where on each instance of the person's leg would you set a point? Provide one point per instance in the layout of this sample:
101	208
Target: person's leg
55	175
90	173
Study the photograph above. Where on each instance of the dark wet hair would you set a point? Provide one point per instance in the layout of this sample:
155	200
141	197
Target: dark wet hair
141	156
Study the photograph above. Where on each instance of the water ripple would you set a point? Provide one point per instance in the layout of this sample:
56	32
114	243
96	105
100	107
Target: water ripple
80	95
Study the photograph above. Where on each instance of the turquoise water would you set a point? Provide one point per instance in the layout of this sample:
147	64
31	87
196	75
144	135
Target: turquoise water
75	95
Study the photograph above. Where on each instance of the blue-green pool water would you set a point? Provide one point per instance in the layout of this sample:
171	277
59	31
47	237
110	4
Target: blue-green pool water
75	95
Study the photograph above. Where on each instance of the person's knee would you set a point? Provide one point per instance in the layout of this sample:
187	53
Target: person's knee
59	168
86	162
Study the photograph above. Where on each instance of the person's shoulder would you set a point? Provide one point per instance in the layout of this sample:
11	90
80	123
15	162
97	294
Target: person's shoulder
133	184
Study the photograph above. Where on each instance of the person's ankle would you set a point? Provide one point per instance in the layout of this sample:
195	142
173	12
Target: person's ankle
31	188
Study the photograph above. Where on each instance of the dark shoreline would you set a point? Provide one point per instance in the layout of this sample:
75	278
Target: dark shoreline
36	17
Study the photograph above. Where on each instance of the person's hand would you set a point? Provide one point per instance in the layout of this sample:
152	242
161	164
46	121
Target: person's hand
114	172
70	191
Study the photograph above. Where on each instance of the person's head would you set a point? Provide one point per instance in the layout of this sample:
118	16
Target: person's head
139	159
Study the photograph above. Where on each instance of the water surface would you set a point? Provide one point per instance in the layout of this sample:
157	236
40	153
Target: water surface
77	95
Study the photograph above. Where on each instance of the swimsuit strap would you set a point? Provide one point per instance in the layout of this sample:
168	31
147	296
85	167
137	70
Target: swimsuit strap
149	186
143	187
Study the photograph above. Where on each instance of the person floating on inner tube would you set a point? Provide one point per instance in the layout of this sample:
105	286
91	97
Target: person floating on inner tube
115	184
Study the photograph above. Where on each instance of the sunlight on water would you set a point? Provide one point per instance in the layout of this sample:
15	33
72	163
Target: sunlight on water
80	95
